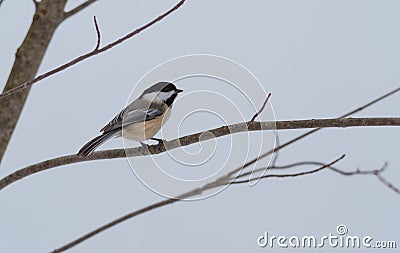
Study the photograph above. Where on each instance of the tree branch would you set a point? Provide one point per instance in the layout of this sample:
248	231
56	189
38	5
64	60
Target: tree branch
261	109
289	175
387	183
302	136
90	54
47	17
119	153
376	172
217	182
78	8
194	138
292	165
360	172
97	32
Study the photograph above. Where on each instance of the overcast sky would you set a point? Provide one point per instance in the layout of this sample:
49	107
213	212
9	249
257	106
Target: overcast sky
319	59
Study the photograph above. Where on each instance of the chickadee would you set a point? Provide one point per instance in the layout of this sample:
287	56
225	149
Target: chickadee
141	119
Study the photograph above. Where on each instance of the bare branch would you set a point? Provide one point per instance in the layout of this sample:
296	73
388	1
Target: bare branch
28	58
376	172
98	33
261	109
292	165
360	172
90	54
387	183
120	153
302	136
78	8
289	175
218	182
195	138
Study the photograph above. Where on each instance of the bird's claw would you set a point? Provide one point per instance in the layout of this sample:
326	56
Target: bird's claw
144	149
160	141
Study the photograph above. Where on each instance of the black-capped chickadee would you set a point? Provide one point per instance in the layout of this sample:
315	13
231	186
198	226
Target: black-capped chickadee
141	119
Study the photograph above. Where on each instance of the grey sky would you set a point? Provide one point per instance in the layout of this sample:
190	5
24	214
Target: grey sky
319	59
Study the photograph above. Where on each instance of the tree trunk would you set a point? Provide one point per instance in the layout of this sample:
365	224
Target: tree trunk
48	15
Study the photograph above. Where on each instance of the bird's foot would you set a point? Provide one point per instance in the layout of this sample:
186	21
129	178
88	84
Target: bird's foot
144	149
160	141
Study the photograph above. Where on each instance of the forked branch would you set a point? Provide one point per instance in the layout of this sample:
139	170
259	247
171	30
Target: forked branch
90	54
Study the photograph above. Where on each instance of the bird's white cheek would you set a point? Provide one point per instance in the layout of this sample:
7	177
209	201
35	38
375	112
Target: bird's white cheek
163	96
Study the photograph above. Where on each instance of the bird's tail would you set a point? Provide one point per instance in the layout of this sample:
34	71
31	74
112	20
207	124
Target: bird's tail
89	147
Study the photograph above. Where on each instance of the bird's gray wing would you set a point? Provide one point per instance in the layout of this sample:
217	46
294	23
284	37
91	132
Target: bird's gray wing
126	117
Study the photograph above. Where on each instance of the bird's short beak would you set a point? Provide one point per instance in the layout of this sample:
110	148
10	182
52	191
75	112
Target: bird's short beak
178	91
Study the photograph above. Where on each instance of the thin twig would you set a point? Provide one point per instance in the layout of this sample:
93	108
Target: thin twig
343	116
387	183
78	8
292	165
289	175
376	172
98	33
302	136
90	54
195	138
360	172
261	109
256	115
